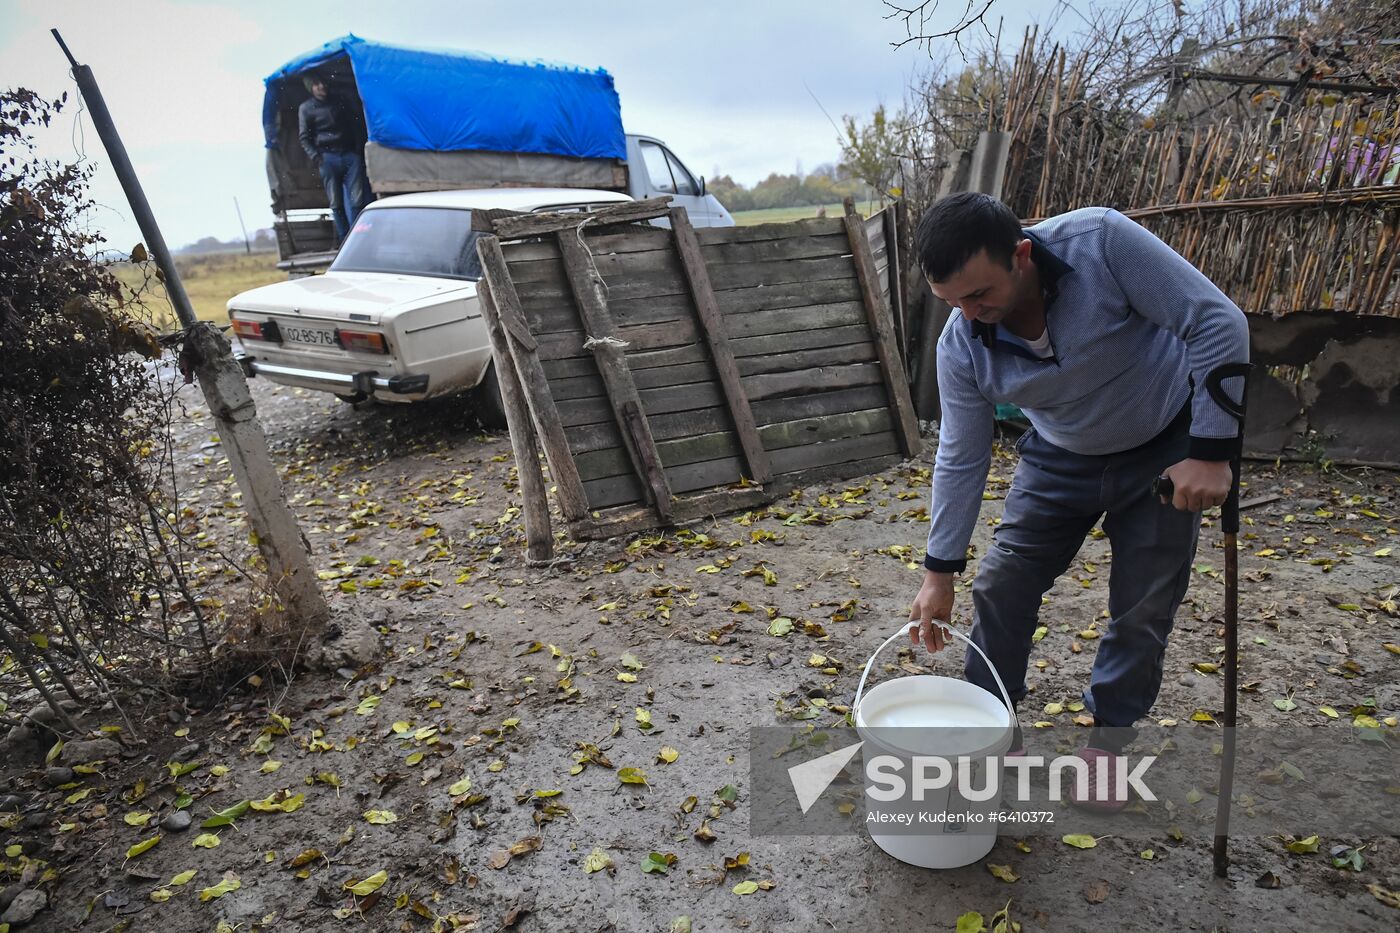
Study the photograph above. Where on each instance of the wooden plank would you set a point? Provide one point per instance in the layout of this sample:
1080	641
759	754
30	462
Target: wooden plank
572	501
809	381
807	359
680	335
622	392
624	521
796	246
661	282
539	539
788	320
640	285
644	337
517	226
733	301
713	327
894	275
625	488
591	385
789	295
826	403
636	360
633	239
882	329
791	459
613	461
539	261
835	472
800	340
598	464
484	219
588	384
659	401
842	306
812	226
803	431
664	427
610	266
780	272
875	231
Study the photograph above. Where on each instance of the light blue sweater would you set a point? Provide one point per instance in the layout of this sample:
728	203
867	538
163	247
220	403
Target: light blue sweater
1130	322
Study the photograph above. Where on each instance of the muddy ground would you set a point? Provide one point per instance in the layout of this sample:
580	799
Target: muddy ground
506	675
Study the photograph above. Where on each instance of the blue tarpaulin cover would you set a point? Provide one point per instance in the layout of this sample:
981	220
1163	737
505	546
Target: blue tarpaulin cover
448	101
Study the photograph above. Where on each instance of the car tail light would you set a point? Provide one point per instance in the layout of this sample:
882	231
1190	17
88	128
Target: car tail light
257	330
362	340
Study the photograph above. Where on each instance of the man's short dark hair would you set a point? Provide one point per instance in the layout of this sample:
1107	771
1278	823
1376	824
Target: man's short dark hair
958	227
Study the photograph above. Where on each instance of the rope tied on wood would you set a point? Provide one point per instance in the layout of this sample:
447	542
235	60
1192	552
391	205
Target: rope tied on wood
590	342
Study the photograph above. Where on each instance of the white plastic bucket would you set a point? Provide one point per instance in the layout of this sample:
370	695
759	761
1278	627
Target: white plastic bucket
944	717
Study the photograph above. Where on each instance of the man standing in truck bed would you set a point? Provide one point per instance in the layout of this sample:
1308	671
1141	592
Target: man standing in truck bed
1098	331
327	135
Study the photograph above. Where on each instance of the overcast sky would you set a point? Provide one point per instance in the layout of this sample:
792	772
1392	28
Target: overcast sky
726	84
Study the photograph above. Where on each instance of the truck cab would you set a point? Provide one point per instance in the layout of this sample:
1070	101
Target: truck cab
653	170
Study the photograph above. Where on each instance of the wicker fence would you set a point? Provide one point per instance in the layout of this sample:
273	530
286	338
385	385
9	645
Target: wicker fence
1290	204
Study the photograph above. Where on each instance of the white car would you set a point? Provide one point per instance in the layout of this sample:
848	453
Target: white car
396	316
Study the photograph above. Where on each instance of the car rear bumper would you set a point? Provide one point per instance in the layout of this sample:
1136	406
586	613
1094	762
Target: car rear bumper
367	382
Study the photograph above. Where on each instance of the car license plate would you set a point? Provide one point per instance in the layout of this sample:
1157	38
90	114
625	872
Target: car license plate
311	336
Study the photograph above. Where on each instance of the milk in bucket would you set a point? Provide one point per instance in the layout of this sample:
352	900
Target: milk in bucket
953	721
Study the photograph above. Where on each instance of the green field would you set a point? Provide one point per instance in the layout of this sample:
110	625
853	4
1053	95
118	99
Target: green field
782	215
210	279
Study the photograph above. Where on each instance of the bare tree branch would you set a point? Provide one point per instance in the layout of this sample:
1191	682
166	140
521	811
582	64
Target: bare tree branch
974	14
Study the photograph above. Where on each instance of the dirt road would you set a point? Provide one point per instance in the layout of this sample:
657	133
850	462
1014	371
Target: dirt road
658	653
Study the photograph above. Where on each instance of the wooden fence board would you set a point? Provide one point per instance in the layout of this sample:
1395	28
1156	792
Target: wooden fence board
740	352
776	410
622	392
572	499
575	412
613	461
811	381
882	330
716	338
814	226
617	490
791	247
667	426
589	384
791	459
554	317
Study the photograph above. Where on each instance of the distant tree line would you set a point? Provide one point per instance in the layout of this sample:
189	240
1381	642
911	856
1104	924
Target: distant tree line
261	240
825	184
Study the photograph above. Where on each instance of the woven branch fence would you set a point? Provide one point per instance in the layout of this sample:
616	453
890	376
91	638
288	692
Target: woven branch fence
1297	209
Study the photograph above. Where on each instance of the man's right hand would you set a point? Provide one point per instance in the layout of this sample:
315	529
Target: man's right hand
934	603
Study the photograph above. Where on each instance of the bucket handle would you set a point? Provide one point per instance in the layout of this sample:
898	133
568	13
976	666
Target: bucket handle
904	629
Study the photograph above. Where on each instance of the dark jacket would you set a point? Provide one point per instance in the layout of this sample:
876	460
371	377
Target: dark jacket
323	126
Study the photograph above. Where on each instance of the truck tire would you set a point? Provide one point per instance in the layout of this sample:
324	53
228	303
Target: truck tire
486	400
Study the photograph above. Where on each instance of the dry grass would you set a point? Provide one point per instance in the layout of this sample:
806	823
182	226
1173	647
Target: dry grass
210	279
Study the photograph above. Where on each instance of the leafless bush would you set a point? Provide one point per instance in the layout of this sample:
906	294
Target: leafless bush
96	595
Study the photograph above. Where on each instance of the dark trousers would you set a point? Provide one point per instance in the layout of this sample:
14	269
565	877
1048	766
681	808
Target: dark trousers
1054	501
343	174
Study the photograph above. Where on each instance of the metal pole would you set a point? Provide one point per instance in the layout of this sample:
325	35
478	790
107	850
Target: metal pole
225	390
247	246
121	163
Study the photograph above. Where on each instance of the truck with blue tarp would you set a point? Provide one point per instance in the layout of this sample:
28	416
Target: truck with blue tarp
430	120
